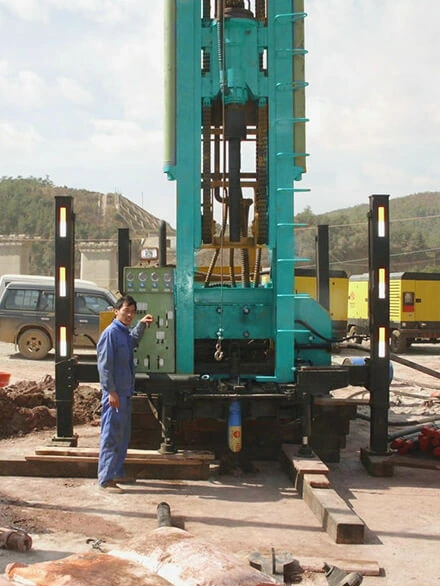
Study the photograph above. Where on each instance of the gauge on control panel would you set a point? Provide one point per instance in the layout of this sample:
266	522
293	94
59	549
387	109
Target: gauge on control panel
129	276
154	276
142	276
167	277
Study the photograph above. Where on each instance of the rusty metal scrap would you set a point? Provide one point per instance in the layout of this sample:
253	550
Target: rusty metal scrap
15	539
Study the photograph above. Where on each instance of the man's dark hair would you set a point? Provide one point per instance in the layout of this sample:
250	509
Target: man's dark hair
127	299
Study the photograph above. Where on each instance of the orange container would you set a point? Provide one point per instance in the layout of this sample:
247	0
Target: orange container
4	379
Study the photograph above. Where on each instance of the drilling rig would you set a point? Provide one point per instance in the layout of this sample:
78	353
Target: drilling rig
234	359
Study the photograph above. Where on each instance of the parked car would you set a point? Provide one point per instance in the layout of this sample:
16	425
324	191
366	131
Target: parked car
27	316
43	279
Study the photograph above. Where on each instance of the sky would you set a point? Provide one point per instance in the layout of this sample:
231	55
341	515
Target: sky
81	98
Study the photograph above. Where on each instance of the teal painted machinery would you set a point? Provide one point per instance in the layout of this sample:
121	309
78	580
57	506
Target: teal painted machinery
233	359
235	107
235	145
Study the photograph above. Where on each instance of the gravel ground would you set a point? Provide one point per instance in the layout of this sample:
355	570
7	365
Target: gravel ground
254	512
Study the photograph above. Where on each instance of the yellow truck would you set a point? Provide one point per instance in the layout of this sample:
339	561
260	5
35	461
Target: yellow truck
306	282
414	308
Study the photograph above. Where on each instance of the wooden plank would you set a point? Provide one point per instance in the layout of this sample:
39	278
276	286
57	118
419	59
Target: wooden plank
131	453
340	522
303	465
317	480
415	461
193	470
364	567
340	401
157	461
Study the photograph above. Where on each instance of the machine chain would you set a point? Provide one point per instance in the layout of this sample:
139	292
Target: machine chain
207	215
260	196
218	354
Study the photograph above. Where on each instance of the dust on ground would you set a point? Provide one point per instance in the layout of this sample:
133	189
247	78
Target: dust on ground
253	512
34	519
29	405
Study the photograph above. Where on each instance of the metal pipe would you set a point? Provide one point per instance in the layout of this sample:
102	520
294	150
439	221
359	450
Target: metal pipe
163	244
163	515
415	366
399	359
239	396
170	85
234	190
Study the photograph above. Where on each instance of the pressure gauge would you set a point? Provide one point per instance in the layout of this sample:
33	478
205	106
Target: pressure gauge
142	276
167	277
129	276
154	276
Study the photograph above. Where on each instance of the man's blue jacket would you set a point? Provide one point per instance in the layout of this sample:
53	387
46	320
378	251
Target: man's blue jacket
115	357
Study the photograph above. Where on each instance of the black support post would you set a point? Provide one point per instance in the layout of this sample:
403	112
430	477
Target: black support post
379	315
163	244
65	380
322	266
124	246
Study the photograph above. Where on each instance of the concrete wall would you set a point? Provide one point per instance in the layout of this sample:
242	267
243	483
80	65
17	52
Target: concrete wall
15	253
99	263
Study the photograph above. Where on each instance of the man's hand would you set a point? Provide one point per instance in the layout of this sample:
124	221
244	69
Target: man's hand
147	319
113	399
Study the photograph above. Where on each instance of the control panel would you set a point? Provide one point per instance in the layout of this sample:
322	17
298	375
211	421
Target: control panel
153	290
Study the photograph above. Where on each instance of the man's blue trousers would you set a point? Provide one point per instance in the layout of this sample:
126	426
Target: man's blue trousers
115	437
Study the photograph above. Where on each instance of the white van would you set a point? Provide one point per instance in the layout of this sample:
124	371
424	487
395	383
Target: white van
37	279
27	315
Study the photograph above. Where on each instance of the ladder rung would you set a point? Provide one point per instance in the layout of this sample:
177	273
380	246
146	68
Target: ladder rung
291	15
286	154
292	225
294	120
293	51
293	260
294	189
291	85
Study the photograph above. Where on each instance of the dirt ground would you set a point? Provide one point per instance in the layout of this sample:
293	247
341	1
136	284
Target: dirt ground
247	513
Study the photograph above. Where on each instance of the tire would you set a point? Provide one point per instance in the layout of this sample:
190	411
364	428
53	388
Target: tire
397	343
351	331
353	335
34	344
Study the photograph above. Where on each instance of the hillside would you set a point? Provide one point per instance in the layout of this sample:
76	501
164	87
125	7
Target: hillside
414	235
28	208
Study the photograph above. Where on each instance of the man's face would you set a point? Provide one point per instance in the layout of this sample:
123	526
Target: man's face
125	314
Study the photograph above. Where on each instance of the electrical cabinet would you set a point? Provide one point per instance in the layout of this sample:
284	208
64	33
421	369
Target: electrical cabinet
153	290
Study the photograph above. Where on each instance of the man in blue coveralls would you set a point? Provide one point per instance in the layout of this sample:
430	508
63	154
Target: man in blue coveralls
116	375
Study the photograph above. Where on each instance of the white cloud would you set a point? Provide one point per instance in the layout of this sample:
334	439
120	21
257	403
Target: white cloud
72	91
110	12
119	136
30	10
21	89
81	97
18	140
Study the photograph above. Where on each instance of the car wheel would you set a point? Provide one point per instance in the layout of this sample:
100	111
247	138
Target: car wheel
34	344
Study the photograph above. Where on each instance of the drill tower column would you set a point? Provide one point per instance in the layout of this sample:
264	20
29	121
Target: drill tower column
235	145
